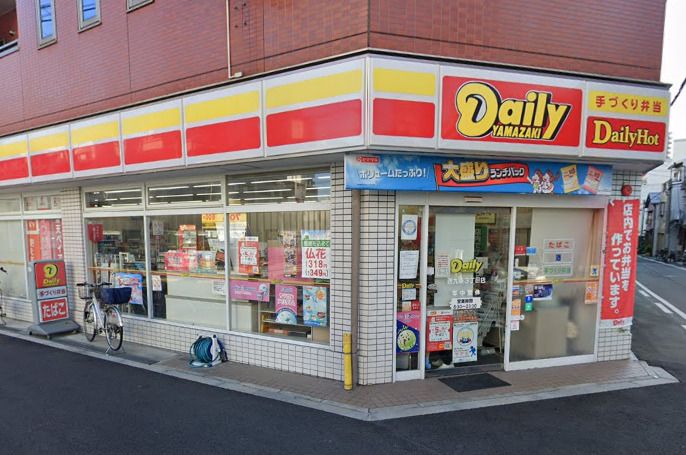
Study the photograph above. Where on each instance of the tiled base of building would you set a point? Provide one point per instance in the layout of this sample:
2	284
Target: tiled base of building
614	344
315	361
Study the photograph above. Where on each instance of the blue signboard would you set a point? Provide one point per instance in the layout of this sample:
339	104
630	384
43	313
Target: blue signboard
444	173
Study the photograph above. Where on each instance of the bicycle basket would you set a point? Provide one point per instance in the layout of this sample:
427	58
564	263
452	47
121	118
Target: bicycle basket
115	296
85	291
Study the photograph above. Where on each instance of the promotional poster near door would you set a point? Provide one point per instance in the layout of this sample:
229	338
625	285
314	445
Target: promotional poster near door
437	173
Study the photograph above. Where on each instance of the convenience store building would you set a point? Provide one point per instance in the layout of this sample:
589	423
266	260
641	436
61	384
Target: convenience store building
450	216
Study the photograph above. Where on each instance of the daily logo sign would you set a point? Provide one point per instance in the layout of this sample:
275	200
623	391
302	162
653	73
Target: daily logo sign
497	111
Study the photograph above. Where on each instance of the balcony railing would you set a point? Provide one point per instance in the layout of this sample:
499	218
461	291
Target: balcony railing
8	48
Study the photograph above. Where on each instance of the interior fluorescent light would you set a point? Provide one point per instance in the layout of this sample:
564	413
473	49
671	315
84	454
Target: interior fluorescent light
261	198
319	188
164	188
173	195
281	180
269	191
208	185
236	183
208	194
136	190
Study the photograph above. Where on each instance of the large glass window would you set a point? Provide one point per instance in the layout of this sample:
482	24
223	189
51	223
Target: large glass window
280	264
10	205
41	203
185	193
555	283
12	283
187	268
117	255
280	188
114	198
46	22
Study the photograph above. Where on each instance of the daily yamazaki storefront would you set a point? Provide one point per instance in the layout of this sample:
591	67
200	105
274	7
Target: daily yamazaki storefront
451	217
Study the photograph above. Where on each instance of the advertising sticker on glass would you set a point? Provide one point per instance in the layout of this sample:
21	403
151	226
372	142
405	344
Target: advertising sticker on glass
316	250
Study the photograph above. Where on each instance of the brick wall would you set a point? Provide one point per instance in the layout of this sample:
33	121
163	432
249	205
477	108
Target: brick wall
615	343
174	45
620	38
162	48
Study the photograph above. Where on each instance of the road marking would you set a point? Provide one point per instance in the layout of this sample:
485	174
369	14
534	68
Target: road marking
663	308
684	327
663	301
643	293
664	263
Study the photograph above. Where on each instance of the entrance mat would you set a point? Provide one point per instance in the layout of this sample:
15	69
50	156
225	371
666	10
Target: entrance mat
473	382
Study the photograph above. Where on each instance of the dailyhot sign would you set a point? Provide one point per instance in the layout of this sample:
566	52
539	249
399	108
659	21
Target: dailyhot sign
619	277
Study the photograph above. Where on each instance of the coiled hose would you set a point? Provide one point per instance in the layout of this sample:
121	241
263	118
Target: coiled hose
201	353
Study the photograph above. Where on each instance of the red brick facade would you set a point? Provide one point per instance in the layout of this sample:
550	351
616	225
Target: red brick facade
173	45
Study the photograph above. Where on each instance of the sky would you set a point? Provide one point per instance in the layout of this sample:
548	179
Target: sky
674	63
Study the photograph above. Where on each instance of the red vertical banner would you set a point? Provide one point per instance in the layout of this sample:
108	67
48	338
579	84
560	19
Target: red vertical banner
33	240
619	276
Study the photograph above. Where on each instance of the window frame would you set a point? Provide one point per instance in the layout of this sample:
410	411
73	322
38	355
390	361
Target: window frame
132	5
43	41
146	211
90	23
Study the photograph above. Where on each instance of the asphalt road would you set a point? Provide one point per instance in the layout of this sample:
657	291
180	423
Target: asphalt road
53	401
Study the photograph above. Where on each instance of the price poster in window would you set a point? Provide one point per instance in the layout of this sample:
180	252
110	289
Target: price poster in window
316	249
249	255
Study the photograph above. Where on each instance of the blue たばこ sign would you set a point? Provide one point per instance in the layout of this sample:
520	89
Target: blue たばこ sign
434	173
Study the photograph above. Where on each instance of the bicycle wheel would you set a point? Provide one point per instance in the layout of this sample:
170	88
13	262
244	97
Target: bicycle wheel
114	331
89	325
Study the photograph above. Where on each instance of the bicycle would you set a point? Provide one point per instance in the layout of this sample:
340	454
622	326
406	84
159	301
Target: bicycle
100	315
2	301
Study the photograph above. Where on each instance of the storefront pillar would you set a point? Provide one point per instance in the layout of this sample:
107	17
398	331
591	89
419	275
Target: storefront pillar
74	244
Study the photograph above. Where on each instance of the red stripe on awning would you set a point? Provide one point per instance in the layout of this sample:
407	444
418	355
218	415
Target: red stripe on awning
15	168
155	147
331	121
223	137
96	156
50	163
404	118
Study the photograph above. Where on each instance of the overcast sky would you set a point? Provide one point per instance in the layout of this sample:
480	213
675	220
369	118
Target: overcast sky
674	63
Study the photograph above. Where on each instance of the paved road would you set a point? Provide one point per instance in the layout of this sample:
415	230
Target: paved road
53	401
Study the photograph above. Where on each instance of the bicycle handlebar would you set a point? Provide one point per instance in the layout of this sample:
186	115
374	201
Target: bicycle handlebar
94	285
2	269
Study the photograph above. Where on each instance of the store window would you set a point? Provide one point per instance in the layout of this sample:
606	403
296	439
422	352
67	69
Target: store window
89	13
185	193
44	239
187	268
555	283
116	248
12	283
47	32
115	198
279	273
10	205
41	203
280	188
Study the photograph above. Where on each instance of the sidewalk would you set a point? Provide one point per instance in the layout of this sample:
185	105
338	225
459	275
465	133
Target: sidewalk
376	402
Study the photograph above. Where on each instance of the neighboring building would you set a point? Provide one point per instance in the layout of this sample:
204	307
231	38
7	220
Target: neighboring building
438	181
